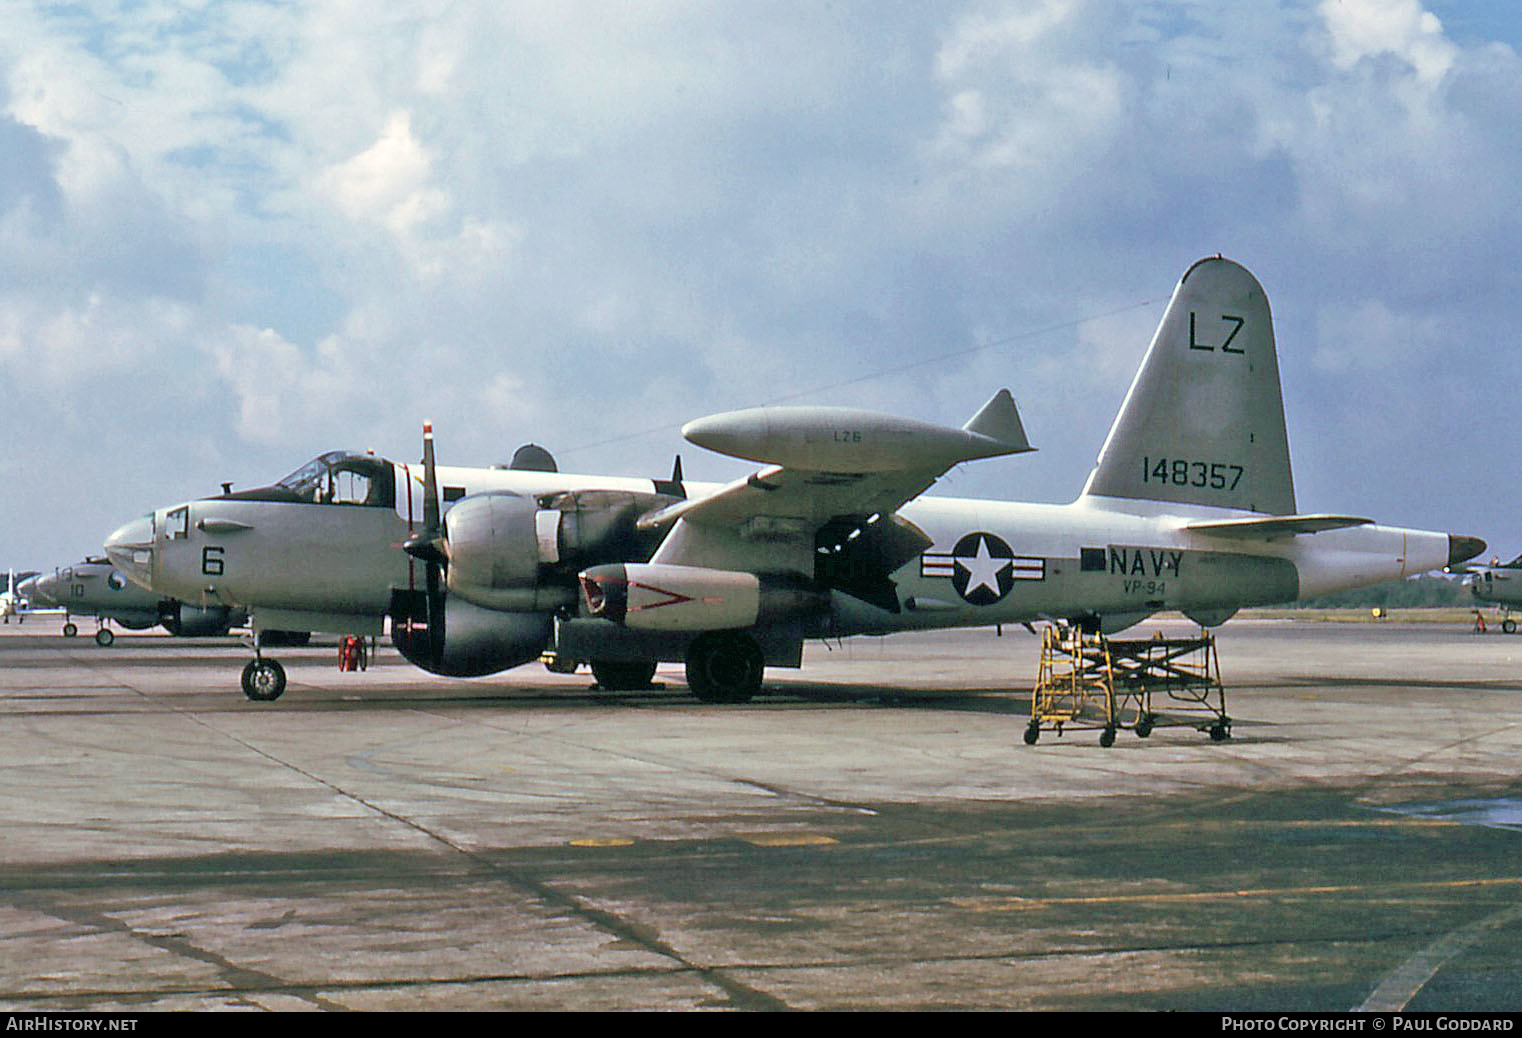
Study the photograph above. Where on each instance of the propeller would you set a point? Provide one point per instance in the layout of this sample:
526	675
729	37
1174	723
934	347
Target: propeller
428	544
419	618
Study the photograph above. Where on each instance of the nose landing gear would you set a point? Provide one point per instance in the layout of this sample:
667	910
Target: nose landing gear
263	680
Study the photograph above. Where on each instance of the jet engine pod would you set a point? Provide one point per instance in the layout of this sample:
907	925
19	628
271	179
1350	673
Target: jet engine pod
659	597
662	597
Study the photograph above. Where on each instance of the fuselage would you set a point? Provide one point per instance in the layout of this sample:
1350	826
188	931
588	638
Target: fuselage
1003	562
96	588
1500	584
330	561
331	558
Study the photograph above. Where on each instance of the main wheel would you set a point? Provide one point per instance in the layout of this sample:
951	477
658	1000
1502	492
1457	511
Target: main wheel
70	629
724	667
104	637
613	675
263	681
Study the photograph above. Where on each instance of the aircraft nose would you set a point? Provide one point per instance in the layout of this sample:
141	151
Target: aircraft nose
1462	549
130	548
39	591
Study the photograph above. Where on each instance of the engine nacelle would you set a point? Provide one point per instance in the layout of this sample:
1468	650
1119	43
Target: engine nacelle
500	543
466	641
662	597
188	621
492	544
135	620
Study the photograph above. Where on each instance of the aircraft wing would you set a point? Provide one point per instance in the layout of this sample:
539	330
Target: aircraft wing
775	495
1255	528
826	465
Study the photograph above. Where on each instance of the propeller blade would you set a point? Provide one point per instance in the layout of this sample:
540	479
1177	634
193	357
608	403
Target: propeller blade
430	485
427	544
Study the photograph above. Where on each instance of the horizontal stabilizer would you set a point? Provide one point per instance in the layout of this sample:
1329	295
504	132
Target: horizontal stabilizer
1263	529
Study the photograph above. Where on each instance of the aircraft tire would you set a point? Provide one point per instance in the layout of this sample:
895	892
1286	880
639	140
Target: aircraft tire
724	667
614	675
70	630
104	637
263	681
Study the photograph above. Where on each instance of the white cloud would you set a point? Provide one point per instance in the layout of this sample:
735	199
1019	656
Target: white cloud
321	222
1400	28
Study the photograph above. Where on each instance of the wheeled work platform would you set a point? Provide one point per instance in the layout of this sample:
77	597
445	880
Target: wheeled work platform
1088	681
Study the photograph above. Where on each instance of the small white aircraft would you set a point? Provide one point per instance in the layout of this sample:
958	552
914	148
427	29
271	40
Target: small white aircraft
1190	507
13	601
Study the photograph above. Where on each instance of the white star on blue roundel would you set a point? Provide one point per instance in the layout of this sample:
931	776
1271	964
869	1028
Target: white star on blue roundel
982	574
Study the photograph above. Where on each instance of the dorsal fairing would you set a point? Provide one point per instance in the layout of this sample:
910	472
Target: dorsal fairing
1203	422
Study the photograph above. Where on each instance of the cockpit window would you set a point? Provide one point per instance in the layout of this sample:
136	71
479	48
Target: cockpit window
177	524
343	478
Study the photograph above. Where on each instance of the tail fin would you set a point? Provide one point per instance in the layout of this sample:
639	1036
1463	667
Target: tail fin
1203	423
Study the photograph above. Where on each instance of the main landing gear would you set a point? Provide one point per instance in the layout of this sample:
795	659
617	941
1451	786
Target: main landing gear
724	667
621	675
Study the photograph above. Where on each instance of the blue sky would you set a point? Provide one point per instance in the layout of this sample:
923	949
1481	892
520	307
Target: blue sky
236	234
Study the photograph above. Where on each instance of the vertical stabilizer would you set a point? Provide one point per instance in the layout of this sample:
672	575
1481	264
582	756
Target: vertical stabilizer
1203	423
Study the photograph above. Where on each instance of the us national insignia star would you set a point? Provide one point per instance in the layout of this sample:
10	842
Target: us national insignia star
981	572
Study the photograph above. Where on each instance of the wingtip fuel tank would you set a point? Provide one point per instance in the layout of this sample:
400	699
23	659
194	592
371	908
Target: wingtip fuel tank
1462	549
843	439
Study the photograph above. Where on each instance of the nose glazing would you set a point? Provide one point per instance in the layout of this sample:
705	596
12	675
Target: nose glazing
130	548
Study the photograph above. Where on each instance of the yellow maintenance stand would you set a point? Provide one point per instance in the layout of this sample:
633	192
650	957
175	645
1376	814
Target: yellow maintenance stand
1088	681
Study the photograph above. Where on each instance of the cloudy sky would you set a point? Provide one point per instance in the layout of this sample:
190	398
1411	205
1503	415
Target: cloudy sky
235	234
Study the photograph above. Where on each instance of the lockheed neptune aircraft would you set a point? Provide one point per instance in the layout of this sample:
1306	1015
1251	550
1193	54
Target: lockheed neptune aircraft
1191	507
1498	583
95	588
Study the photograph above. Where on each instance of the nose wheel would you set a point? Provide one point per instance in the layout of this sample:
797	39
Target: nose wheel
263	680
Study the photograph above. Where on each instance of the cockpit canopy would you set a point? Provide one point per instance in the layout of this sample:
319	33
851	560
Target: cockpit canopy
343	478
